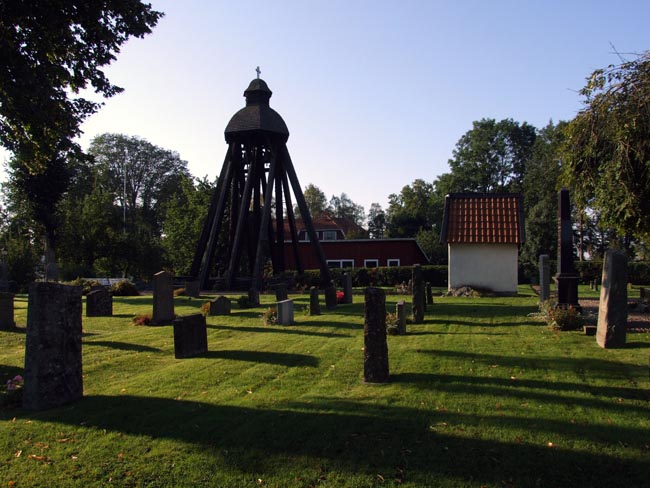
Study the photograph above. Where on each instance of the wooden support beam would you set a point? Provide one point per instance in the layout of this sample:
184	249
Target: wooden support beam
263	242
292	224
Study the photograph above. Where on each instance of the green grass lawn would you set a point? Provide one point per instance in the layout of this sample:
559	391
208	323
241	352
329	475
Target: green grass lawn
480	395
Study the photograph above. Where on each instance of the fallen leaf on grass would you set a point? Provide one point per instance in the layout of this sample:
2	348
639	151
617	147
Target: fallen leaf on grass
18	453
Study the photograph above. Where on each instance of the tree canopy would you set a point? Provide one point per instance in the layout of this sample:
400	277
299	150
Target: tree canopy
51	50
491	157
606	155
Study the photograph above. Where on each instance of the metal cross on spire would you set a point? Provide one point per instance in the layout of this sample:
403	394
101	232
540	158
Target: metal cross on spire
258	71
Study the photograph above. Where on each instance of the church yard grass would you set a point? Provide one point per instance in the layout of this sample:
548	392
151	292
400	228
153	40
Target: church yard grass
481	394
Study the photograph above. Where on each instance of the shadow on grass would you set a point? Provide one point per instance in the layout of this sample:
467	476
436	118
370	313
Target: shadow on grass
416	446
424	332
274	330
122	346
15	330
637	345
281	358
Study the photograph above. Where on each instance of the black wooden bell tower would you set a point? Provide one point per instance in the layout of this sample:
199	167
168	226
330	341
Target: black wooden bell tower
253	199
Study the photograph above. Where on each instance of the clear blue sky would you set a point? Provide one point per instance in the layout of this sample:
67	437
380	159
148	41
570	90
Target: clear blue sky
375	93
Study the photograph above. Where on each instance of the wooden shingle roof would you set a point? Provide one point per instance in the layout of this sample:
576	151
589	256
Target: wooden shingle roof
479	218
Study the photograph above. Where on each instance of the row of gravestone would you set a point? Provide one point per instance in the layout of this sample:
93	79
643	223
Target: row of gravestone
611	328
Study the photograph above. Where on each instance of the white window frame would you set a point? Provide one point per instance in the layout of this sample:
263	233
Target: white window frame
391	263
375	263
330	235
341	263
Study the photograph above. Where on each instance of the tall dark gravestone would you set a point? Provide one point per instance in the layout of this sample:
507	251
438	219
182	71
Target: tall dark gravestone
566	279
190	336
612	310
419	299
314	305
375	351
544	278
163	298
53	346
7	310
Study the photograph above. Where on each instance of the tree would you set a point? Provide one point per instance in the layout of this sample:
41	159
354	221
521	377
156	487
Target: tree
417	212
541	184
142	175
51	51
492	157
607	150
343	207
184	218
376	221
316	201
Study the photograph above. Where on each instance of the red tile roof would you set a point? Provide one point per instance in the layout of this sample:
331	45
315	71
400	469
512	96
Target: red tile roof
479	218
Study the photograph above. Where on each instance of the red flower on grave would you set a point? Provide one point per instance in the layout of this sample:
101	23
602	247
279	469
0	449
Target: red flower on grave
340	296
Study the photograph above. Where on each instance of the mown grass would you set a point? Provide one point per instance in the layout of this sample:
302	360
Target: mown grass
480	395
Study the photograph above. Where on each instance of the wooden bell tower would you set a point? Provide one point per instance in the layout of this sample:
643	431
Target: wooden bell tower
253	199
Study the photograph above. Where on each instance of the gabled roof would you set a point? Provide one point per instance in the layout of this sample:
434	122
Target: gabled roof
328	222
480	218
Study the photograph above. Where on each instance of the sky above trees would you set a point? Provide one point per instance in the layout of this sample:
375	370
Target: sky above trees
375	94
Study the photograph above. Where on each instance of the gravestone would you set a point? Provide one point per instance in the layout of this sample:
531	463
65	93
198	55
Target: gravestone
190	336
429	294
347	288
419	306
566	279
53	346
612	311
285	312
544	278
281	292
254	297
99	303
375	351
330	297
220	306
314	304
193	288
163	298
400	310
6	311
4	277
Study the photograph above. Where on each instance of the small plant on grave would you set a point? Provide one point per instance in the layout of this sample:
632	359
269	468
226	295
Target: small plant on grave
402	289
142	319
244	302
14	392
124	288
205	308
269	316
392	323
565	318
179	292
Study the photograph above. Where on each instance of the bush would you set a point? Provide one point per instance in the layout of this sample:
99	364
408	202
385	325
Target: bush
384	276
124	288
269	316
561	318
87	284
142	319
205	309
392	323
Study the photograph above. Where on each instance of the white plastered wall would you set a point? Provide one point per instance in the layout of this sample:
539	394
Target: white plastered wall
492	266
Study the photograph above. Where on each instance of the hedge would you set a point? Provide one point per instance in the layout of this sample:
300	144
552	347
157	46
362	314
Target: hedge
638	271
384	276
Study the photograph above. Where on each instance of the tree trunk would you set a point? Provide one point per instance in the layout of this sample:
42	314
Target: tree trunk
51	269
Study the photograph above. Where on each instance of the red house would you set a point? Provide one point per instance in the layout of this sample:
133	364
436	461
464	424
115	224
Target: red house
341	251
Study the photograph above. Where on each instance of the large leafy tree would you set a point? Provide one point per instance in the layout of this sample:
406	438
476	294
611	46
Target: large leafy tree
541	184
51	51
343	207
184	218
315	199
491	157
417	212
376	221
606	156
142	175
